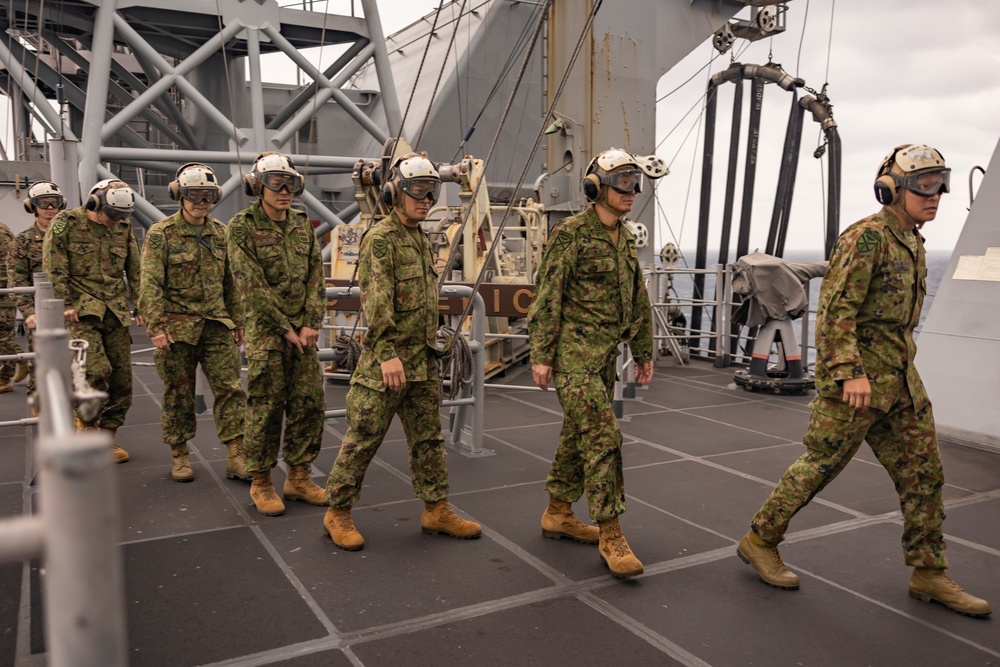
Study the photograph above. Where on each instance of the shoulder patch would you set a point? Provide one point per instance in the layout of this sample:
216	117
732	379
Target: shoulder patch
562	240
868	241
380	247
155	241
60	225
239	233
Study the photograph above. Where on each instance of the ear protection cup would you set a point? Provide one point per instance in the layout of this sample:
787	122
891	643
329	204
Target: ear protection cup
28	207
591	187
885	190
389	194
93	203
250	185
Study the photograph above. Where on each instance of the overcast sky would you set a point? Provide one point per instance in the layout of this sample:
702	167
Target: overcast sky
900	71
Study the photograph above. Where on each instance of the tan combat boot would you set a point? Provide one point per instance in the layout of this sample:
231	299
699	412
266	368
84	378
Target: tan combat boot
558	522
235	465
438	517
180	467
6	386
766	562
263	495
299	486
119	454
340	526
615	551
22	371
927	584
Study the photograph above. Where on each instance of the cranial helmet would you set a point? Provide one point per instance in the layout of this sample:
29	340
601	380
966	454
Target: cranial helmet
414	175
195	182
619	169
112	197
915	167
274	171
44	194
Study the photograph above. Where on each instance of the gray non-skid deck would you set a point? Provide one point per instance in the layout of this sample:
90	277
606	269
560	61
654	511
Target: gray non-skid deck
210	581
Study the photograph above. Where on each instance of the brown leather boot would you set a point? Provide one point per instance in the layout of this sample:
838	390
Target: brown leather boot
340	526
438	517
927	585
6	386
22	371
299	486
180	467
119	454
235	465
615	551
263	495
766	562
558	522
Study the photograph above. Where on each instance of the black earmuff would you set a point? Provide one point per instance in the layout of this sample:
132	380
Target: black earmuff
95	202
591	187
885	190
389	194
28	206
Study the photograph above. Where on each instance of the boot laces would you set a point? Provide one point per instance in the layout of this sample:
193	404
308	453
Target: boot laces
345	520
616	541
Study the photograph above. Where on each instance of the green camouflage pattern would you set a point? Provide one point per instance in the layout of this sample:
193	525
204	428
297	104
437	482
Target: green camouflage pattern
589	454
870	303
369	413
220	360
590	295
8	337
278	274
283	383
24	260
186	280
109	363
399	296
87	263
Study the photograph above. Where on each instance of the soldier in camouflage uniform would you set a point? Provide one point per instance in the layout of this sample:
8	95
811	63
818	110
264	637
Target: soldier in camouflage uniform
8	338
193	316
867	385
275	259
88	254
44	200
590	296
397	372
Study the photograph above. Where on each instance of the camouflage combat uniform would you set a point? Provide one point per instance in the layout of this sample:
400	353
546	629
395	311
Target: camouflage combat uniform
869	305
188	292
88	263
8	337
24	260
399	295
278	271
590	296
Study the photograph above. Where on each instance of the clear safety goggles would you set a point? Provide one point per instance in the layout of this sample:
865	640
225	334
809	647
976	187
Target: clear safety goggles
116	214
421	188
927	183
275	180
198	195
623	182
47	201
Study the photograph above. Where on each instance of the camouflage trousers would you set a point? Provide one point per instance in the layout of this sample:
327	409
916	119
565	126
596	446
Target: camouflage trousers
109	364
369	413
905	443
589	455
220	360
8	341
289	384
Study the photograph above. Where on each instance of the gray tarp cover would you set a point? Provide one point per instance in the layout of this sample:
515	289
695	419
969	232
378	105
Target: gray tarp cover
774	288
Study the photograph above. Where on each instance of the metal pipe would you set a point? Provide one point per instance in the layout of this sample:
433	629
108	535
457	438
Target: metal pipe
383	70
256	89
223	157
707	163
734	154
750	171
21	538
98	77
786	180
17	72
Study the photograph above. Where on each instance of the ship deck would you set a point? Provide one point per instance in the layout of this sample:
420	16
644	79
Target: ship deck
211	582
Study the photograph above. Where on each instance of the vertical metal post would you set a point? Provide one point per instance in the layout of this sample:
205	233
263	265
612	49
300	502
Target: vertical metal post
721	316
387	87
256	90
97	94
63	163
479	370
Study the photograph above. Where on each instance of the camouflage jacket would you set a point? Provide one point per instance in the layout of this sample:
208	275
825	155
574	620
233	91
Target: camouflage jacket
24	260
278	273
869	305
88	269
590	295
399	296
186	280
6	244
